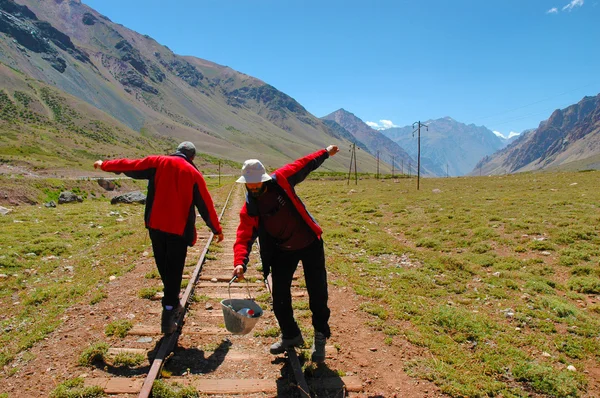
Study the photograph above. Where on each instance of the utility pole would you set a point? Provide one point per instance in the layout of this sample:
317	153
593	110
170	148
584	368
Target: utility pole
446	169
419	124
219	173
402	169
409	169
353	160
377	164
393	161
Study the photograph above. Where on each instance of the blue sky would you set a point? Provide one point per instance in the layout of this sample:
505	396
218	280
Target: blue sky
505	64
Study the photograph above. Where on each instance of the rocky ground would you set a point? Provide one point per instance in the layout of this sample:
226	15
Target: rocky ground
354	350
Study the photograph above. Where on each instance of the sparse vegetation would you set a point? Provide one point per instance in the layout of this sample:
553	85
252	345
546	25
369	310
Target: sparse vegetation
74	388
95	352
118	328
162	389
486	273
127	359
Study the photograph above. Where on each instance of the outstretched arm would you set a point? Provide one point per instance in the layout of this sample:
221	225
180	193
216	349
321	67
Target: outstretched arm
297	171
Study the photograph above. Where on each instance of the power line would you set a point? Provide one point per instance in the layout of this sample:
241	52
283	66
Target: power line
537	102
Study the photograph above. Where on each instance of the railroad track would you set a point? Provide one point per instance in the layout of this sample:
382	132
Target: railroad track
204	356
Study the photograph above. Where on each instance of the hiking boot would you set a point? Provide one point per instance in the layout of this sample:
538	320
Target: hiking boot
284	344
318	348
169	318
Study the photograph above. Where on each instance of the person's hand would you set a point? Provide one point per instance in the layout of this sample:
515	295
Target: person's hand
239	272
332	149
219	237
98	164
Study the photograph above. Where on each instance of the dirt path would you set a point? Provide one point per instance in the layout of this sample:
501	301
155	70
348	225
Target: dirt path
355	349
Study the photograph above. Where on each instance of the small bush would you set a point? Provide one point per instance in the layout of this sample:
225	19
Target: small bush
148	292
118	328
98	297
271	332
429	243
128	359
374	309
95	352
161	389
152	274
585	284
546	380
74	389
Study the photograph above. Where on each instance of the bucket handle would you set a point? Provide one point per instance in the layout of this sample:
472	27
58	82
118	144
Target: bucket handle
233	280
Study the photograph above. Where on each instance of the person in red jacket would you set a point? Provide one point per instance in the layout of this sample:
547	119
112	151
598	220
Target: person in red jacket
175	187
288	234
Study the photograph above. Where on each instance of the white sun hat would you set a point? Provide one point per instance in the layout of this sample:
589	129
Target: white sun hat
253	172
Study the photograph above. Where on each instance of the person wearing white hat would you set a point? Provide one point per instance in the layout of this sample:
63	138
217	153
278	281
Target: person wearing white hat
288	234
175	187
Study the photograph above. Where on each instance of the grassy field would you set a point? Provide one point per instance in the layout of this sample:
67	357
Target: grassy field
53	258
496	279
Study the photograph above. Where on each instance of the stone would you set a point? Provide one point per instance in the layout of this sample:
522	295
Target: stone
68	197
130	197
107	184
50	204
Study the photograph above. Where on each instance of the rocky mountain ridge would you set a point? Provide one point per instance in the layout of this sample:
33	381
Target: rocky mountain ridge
155	92
371	140
448	146
570	135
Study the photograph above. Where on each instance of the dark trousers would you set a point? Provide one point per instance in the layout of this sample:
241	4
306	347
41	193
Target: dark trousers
169	253
283	267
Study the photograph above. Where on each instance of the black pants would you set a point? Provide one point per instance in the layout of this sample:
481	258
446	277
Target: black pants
283	267
169	253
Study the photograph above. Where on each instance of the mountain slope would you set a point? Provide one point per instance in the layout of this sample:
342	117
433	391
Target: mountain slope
447	145
570	136
52	132
371	140
148	88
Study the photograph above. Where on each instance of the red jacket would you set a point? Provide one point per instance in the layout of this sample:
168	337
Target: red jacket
250	228
174	187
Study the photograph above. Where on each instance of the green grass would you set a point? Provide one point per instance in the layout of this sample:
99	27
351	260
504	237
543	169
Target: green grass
163	389
74	388
127	359
118	328
57	258
95	352
484	274
482	277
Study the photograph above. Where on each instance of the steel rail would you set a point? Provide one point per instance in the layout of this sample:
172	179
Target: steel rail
170	341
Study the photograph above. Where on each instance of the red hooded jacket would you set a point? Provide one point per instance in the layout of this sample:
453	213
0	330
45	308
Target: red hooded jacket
174	186
250	228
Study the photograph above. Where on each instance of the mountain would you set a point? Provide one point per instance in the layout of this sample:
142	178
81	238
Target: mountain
372	140
144	87
569	139
448	146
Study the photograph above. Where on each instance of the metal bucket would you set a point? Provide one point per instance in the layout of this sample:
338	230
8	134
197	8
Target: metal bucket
237	323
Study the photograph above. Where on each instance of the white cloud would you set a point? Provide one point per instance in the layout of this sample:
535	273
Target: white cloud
513	134
553	10
387	124
499	134
573	4
382	125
